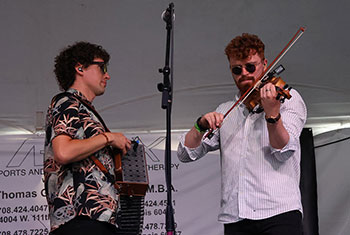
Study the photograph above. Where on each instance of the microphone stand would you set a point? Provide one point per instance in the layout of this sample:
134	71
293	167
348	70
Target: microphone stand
166	89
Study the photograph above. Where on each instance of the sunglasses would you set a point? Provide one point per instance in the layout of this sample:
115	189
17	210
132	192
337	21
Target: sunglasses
237	70
102	66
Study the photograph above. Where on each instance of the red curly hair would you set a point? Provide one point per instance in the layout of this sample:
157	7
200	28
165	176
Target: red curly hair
241	47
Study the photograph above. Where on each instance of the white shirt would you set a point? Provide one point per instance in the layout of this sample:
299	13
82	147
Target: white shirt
257	180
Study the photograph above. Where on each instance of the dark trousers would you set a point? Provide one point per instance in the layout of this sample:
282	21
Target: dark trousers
289	223
85	225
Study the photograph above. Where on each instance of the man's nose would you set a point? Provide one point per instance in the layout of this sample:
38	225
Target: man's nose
244	71
107	76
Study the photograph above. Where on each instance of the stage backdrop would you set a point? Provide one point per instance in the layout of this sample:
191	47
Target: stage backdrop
196	187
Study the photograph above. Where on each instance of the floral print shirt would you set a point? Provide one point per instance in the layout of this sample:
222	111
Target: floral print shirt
78	188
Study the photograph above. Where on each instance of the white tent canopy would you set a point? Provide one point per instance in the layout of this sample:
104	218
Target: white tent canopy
33	33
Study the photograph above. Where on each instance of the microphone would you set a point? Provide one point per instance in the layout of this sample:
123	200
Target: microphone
166	15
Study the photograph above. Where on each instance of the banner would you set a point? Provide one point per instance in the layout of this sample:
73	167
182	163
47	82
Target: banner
23	207
195	189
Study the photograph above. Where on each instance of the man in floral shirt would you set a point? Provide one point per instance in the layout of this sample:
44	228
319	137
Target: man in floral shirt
82	199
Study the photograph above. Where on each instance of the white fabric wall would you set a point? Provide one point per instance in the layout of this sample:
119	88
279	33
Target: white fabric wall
333	164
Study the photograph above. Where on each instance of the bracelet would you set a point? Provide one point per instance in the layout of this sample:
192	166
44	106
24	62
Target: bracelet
198	127
106	138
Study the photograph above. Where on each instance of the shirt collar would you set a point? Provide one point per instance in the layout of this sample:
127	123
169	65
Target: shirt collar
78	94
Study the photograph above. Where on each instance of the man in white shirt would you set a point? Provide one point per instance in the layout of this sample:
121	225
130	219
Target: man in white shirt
260	152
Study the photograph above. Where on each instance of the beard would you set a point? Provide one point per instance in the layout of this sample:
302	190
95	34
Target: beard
244	83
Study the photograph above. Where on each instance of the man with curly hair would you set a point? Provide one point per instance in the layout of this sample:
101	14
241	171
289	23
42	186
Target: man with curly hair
82	198
260	152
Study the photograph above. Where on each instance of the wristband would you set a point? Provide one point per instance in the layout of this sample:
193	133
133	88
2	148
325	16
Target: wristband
198	127
106	138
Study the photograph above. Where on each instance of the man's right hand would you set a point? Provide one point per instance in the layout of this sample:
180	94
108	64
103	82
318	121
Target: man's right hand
211	120
118	140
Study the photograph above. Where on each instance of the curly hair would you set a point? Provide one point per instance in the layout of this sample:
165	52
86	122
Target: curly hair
80	52
242	46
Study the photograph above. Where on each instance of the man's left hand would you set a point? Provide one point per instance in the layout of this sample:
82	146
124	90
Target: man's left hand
269	102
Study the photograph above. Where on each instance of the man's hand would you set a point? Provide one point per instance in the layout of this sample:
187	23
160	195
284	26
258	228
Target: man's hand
118	140
269	102
211	120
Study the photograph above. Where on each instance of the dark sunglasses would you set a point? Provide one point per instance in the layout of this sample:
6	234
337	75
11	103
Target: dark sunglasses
237	70
102	66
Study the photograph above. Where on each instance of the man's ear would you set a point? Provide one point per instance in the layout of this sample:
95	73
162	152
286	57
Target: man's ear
79	68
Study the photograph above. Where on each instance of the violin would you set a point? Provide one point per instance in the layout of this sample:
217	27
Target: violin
253	101
251	98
